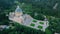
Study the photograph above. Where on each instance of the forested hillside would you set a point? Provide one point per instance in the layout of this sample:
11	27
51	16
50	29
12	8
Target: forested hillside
36	9
44	6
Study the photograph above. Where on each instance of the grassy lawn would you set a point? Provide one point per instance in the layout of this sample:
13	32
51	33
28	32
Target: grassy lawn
48	31
41	22
32	24
34	21
40	27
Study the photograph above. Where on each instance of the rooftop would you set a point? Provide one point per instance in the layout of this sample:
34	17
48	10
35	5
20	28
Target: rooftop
18	9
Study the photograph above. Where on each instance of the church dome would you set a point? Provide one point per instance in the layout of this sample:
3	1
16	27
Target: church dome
18	9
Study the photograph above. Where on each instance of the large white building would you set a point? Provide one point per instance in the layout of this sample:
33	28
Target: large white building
27	20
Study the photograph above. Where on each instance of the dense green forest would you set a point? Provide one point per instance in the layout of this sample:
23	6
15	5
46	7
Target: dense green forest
40	7
44	6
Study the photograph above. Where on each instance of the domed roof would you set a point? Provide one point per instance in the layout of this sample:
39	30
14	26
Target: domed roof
18	9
